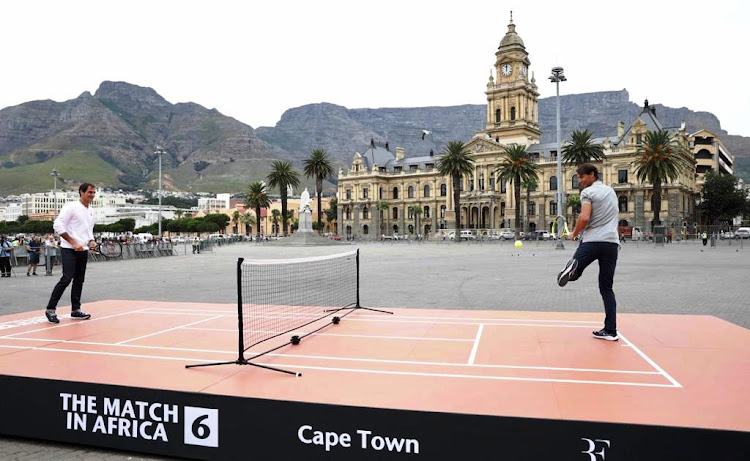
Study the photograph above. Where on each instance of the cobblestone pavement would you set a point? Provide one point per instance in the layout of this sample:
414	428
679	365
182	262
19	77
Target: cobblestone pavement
682	278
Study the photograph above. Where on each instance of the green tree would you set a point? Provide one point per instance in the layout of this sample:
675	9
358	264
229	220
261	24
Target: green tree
516	166
455	163
416	212
257	198
318	166
275	218
721	198
236	221
220	219
530	184
582	149
660	159
283	175
248	220
382	208
22	219
574	203
332	212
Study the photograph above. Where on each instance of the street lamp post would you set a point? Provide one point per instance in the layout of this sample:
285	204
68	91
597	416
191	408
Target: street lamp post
54	175
557	77
159	152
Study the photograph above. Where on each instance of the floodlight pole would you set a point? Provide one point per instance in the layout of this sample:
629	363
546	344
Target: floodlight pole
159	152
54	175
557	77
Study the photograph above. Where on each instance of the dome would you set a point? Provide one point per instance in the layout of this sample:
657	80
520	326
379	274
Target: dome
511	38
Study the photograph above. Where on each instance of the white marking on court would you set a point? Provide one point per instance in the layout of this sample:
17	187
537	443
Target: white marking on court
167	330
377	316
651	362
356	370
76	322
345	359
473	354
415	338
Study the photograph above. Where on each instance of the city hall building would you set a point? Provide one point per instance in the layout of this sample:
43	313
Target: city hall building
488	204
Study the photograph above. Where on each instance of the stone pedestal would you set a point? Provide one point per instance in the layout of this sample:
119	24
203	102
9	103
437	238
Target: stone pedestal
305	222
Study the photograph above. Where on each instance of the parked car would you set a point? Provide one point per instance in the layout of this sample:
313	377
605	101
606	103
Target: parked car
464	235
726	235
742	233
506	235
545	235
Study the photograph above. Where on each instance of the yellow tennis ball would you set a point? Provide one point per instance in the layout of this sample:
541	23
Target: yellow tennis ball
519	244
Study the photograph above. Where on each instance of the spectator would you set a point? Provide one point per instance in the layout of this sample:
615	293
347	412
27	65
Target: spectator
34	249
5	249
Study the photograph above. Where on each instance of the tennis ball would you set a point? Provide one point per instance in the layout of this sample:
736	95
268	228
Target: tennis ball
519	244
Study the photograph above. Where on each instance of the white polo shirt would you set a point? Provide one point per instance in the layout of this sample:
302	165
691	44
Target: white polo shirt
78	222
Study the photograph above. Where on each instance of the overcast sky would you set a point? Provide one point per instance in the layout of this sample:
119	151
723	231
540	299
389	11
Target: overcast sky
254	60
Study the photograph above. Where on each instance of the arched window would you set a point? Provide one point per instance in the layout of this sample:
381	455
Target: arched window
395	213
443	190
366	229
442	211
498	113
410	192
380	193
426	190
574	182
426	212
512	113
623	203
553	183
704	154
365	213
395	192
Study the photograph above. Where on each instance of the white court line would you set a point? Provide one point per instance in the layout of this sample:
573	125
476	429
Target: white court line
375	316
356	370
165	331
74	322
343	359
417	338
473	354
651	362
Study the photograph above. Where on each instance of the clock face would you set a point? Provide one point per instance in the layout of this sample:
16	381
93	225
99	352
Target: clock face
506	69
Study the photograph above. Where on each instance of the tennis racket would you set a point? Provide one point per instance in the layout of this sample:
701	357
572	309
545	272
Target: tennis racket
110	249
560	228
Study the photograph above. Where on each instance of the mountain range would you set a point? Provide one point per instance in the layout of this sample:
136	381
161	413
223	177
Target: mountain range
110	137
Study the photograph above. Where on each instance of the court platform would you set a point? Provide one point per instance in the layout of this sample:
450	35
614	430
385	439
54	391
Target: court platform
429	384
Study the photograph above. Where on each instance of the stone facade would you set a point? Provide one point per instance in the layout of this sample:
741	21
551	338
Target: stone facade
398	182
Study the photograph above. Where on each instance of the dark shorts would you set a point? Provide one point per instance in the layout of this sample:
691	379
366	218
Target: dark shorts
33	258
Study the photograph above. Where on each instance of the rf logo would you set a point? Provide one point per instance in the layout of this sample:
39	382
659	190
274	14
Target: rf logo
202	426
593	445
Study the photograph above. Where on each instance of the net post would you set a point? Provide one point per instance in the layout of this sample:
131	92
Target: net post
358	305
240	327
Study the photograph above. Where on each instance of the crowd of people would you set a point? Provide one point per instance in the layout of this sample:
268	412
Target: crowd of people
34	246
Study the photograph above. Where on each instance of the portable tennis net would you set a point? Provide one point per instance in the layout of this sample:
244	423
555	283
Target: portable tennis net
279	296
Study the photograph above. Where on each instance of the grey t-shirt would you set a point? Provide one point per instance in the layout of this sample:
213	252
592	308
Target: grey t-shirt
602	225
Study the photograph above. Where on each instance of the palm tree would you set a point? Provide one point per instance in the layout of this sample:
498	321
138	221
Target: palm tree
382	208
581	149
517	167
236	220
574	203
319	166
179	213
661	159
456	162
529	184
283	175
257	198
275	218
415	211
248	220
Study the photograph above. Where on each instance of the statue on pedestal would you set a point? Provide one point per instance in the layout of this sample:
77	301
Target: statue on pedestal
305	213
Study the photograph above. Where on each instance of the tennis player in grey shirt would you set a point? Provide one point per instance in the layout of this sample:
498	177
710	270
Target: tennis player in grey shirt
597	227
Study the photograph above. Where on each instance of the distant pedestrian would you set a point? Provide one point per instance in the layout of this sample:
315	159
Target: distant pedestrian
597	226
5	250
75	225
196	245
704	236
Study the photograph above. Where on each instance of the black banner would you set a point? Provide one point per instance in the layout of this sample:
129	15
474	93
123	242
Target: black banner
206	426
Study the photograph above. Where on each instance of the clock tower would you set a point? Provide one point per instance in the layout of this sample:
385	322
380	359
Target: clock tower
512	99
